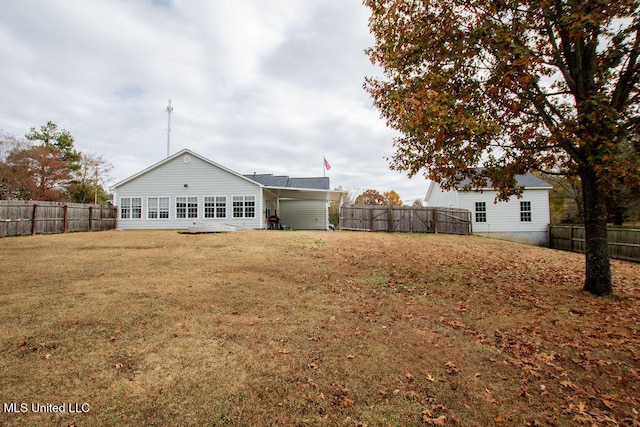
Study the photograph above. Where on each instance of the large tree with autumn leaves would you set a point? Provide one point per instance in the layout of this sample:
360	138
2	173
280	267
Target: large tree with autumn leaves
485	90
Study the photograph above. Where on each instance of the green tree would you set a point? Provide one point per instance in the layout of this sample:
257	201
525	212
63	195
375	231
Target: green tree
565	199
514	86
623	204
50	136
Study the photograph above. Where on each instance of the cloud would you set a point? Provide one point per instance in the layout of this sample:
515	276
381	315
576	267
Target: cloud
259	86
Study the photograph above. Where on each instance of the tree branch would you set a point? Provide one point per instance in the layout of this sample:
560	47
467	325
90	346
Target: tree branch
628	76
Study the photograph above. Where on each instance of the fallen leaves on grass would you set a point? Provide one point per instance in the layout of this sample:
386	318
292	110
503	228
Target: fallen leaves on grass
342	399
440	421
451	368
514	322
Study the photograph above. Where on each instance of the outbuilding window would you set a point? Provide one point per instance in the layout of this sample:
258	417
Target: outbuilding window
481	212
525	211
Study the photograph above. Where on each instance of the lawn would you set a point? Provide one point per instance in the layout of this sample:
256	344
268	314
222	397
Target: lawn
311	328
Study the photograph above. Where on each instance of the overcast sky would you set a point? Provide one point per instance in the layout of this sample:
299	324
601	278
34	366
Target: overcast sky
266	86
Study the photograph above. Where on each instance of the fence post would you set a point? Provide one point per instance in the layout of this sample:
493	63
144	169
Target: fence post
412	213
435	221
65	216
390	220
571	238
370	219
90	218
34	226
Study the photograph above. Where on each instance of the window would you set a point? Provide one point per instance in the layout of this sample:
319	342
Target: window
221	207
249	207
525	211
481	212
131	207
186	207
244	206
215	207
158	207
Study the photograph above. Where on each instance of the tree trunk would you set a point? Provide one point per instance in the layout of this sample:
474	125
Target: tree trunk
598	269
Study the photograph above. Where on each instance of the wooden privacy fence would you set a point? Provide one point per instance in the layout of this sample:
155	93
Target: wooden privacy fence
624	243
405	219
22	218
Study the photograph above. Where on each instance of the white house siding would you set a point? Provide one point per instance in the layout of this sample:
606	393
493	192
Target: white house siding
443	199
197	178
304	214
503	218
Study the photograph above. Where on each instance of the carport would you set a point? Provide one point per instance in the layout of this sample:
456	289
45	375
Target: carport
300	208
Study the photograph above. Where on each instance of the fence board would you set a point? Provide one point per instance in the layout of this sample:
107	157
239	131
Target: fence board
23	218
624	243
405	219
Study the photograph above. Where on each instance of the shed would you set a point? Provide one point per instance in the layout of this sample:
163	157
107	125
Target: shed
523	219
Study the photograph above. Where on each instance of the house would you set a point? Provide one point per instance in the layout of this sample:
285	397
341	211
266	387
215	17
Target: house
187	190
523	219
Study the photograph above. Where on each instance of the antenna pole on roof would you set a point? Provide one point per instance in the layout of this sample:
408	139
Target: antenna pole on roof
169	111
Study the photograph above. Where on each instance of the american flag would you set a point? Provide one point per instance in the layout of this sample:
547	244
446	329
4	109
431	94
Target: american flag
327	166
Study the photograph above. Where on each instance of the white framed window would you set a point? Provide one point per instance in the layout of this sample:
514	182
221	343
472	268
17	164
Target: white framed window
130	207
244	206
186	207
158	208
215	207
525	211
481	212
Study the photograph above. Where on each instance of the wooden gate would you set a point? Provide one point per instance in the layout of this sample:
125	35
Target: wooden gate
405	219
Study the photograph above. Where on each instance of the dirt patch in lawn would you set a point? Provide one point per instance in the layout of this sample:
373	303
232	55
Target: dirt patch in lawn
317	328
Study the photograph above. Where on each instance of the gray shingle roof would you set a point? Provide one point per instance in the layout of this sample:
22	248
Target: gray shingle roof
527	180
270	180
531	181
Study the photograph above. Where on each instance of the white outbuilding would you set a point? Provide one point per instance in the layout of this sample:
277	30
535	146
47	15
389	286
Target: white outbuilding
525	219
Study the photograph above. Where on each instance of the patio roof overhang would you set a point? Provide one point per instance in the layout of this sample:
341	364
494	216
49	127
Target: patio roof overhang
306	194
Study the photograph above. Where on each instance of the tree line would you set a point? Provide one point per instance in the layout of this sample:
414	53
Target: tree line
45	165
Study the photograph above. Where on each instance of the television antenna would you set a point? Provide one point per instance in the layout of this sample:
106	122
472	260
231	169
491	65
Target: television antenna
169	111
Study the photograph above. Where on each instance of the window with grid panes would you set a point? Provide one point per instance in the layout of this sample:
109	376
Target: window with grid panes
158	208
215	207
481	212
186	207
131	208
525	211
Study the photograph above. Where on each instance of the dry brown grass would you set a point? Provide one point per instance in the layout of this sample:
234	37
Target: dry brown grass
312	328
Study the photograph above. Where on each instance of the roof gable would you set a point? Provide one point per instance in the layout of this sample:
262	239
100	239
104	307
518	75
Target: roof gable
173	157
